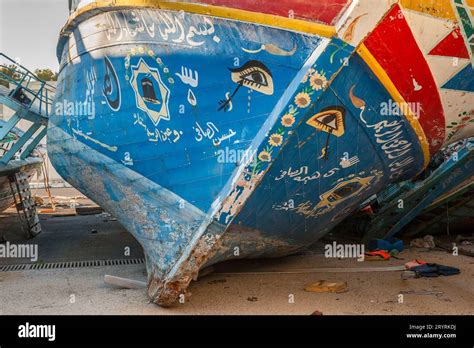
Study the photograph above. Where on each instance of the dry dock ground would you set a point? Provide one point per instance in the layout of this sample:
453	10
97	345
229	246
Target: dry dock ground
238	287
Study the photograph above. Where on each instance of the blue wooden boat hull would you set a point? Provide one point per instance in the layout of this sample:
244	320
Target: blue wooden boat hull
212	139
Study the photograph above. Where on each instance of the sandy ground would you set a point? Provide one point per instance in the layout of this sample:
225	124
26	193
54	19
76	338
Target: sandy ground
231	289
49	291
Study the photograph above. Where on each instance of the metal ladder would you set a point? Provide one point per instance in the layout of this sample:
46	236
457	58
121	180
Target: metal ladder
34	105
25	205
28	104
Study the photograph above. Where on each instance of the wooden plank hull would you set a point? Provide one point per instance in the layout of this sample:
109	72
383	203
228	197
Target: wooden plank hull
213	138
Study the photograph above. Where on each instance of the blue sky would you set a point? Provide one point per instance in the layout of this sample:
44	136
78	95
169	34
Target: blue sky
29	30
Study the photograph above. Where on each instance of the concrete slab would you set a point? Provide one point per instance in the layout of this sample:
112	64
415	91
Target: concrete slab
83	291
71	238
237	287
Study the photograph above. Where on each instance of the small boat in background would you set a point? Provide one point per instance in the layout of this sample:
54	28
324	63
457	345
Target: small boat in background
216	129
440	202
24	168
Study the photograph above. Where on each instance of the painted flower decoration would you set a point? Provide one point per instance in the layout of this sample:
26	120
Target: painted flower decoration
307	75
302	100
318	81
275	139
288	120
264	156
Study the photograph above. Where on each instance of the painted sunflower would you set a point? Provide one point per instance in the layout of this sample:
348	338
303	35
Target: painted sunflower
288	120
275	139
307	75
264	156
302	100
318	81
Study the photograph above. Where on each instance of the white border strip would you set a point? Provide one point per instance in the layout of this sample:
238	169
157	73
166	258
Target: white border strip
340	23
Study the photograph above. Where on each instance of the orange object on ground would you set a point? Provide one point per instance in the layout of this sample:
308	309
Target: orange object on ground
379	255
414	263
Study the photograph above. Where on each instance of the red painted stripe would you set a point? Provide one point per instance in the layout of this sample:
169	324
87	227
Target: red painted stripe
451	46
394	47
323	11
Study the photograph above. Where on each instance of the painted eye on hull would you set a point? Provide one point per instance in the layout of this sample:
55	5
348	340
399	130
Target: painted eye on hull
256	78
254	75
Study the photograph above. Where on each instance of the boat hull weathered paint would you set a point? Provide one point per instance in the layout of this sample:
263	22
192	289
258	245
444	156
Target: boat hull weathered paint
216	137
28	167
159	164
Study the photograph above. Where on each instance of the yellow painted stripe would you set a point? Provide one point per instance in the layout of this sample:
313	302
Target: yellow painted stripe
437	8
216	11
370	60
466	185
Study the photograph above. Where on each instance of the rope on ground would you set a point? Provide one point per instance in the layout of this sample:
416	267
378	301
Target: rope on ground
321	270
